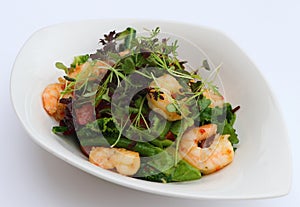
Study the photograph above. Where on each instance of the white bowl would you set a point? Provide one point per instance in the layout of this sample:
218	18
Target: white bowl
262	164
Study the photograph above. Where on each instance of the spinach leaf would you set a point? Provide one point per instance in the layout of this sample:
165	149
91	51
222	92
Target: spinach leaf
128	65
175	127
203	103
146	172
228	124
183	171
228	129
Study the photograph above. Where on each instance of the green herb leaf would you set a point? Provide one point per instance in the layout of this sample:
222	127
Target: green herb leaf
228	129
161	143
162	164
196	86
203	103
205	65
171	108
105	126
128	66
159	129
106	96
78	60
59	129
61	66
230	116
175	127
130	37
69	79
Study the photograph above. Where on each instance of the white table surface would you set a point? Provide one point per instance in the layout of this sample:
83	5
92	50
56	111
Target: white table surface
268	31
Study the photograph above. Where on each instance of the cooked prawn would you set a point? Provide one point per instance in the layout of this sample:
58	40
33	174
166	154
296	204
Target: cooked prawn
52	93
50	98
75	71
216	99
213	158
125	162
166	87
101	156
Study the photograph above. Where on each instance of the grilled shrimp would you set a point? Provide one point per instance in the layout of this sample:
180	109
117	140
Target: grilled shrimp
125	162
163	92
50	98
210	159
216	99
52	93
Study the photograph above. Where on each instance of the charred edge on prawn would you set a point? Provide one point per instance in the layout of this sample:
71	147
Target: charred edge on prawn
156	93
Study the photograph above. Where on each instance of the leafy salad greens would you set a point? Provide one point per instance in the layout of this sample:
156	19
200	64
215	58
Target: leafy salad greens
110	107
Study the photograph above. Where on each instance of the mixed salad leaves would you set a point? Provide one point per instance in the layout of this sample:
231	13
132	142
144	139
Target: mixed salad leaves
95	114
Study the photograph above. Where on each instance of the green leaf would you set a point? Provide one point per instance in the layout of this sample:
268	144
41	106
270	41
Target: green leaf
178	127
130	37
138	102
61	66
106	96
228	129
171	108
78	60
114	56
163	163
125	33
59	129
161	143
103	125
128	66
175	127
69	79
205	65
165	129
184	172
157	127
140	60
196	76
203	103
146	172
196	86
230	116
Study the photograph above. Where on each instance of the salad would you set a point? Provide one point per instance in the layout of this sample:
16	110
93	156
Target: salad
135	108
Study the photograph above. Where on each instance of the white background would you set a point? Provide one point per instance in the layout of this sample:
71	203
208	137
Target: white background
268	31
